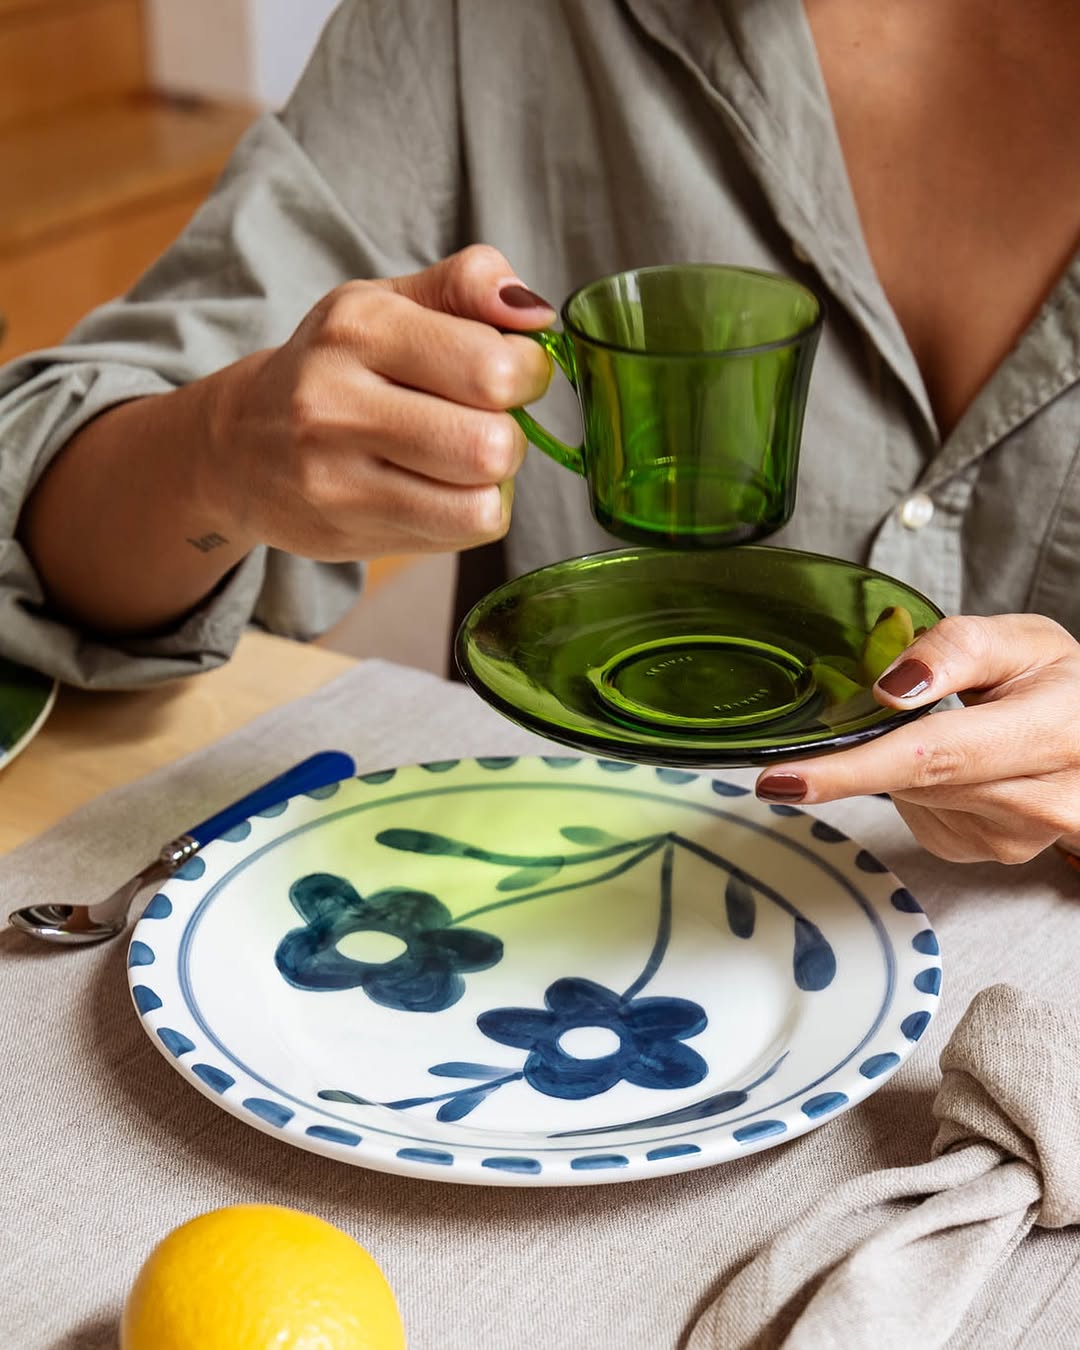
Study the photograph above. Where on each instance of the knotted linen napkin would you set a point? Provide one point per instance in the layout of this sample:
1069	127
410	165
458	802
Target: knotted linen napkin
864	1265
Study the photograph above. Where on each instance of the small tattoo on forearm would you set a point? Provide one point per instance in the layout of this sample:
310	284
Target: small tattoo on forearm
206	542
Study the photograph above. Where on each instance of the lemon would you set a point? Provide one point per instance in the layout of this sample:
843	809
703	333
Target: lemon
260	1277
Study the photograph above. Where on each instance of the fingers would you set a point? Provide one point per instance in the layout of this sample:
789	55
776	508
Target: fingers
1009	821
1025	672
1049	804
476	283
382	424
996	780
367	326
428	436
967	836
974	656
949	835
364	506
431	517
961	747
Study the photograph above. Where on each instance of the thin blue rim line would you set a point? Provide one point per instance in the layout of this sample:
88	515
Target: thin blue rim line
445	789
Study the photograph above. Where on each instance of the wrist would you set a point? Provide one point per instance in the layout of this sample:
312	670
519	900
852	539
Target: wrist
220	491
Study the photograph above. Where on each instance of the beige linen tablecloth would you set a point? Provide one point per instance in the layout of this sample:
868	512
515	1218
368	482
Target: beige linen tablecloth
104	1148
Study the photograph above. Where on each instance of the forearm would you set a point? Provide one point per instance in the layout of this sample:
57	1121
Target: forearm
380	426
128	529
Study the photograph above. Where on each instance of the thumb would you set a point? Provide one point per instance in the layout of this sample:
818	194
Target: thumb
973	657
476	283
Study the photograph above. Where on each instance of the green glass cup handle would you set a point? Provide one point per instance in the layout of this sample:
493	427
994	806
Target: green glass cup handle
558	347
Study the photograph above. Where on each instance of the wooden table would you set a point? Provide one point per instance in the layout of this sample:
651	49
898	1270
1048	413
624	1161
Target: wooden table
96	741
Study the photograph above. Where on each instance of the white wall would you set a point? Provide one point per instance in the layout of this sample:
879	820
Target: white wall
249	50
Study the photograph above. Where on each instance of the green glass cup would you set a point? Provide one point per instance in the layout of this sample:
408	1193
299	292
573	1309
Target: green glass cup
692	381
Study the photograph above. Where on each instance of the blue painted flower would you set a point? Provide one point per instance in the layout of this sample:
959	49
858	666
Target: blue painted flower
425	977
650	1032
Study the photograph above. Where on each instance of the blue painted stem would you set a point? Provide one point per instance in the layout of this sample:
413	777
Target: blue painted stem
758	885
624	866
426	842
663	928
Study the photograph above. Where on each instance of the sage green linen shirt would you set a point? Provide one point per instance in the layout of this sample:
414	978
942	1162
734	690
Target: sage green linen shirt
580	137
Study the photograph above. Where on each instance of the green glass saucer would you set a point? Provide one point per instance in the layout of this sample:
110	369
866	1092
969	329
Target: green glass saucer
724	658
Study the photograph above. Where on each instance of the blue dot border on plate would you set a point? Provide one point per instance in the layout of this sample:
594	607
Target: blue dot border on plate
439	1134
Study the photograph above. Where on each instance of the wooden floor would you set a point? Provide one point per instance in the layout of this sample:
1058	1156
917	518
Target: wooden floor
115	156
99	172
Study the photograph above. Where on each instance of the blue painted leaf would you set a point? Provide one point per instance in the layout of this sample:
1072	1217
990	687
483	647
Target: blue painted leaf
741	907
420	841
717	1105
462	1068
340	1095
589	836
814	961
462	1103
528	876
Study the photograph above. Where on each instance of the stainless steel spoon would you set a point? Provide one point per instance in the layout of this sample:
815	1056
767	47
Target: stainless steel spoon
80	925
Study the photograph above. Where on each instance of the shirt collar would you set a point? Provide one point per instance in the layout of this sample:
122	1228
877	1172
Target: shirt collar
755	60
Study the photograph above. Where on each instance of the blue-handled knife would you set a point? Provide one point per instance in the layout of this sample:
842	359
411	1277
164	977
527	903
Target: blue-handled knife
79	925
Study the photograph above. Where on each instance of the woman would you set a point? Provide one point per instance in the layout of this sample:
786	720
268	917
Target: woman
266	398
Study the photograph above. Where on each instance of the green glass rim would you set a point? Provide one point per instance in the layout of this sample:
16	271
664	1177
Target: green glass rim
778	344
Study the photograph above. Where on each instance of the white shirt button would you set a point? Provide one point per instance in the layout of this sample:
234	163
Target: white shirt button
917	511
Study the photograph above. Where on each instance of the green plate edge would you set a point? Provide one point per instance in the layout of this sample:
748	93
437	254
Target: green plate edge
26	699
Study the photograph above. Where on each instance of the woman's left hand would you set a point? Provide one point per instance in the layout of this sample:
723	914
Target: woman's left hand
996	779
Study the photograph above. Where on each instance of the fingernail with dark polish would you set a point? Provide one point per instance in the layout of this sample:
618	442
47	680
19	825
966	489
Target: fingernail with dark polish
520	297
781	787
908	680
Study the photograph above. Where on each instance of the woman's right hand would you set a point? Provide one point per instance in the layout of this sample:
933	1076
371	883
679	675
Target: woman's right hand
381	425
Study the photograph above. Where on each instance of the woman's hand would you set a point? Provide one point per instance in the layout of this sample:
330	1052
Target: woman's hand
999	778
381	426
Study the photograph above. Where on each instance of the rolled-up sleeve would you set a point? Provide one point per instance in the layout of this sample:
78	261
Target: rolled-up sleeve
357	177
265	246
